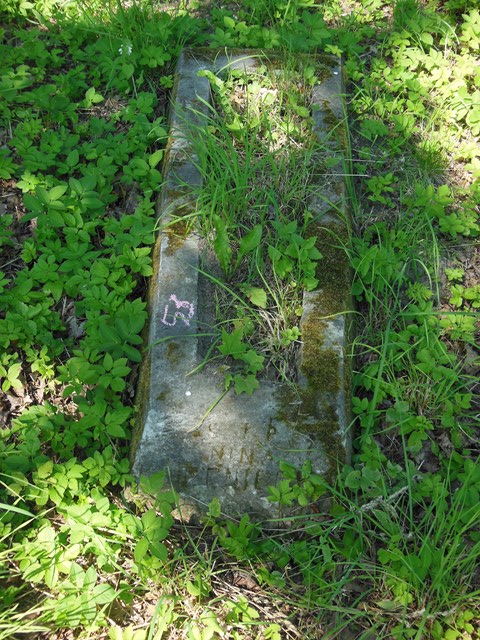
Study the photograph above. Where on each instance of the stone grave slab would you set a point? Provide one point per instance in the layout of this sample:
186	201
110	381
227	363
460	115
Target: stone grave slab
221	445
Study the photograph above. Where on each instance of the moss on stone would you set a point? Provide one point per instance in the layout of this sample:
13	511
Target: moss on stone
142	403
321	368
163	395
336	126
302	409
177	232
325	65
333	270
174	352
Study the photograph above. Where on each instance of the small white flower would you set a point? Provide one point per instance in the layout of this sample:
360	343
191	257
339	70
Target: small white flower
125	49
188	393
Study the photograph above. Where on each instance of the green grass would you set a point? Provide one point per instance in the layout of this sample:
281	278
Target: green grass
394	551
255	159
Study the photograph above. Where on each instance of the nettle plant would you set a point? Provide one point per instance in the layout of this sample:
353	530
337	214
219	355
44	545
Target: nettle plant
255	155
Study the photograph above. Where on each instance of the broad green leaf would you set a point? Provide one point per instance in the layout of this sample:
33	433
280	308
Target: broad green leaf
55	496
214	508
92	203
45	469
33	204
426	38
116	430
127	70
99	270
109	335
107	362
250	241
42	194
303	500
273	253
14	371
210	620
140	550
57	192
274	495
402	406
73	158
195	633
99	519
76	185
268	99
55	218
245	384
149	519
137	322
314	254
51	576
120	370
92	97
158	549
257	296
353	479
451	634
213	79
57	205
310	284
89	578
132	353
194	589
55	288
221	244
387	605
232	344
253	359
235	126
116	633
155	158
103	593
293	250
154	483
303	112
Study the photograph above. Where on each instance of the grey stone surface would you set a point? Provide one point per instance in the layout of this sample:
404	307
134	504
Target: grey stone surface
216	444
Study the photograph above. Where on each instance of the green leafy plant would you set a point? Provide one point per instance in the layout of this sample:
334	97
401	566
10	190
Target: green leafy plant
294	255
236	154
394	547
232	345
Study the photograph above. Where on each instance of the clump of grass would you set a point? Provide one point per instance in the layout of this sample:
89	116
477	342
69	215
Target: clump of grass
255	151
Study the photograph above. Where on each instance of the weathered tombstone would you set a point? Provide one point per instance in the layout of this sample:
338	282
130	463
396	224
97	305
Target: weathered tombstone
225	445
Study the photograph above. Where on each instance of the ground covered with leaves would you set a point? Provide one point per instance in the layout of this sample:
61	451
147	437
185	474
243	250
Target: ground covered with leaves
83	126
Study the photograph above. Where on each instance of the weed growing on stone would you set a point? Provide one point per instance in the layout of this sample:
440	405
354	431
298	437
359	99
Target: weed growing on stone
256	151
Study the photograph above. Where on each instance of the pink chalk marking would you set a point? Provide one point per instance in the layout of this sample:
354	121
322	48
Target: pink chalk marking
179	304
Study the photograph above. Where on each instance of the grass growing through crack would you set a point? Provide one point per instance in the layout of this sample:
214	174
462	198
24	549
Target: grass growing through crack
255	150
396	553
